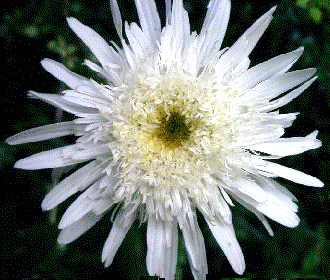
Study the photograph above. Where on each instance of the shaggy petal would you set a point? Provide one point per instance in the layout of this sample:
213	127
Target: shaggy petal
277	85
279	102
116	17
80	207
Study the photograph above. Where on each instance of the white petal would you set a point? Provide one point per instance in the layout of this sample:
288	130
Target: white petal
264	221
77	181
80	207
289	146
91	153
251	135
225	236
278	211
117	234
267	69
277	85
279	102
195	247
116	16
214	26
59	71
86	96
137	41
162	241
99	47
287	173
149	19
180	27
102	205
278	205
244	45
58	157
45	132
250	205
59	101
276	189
78	228
168	8
249	188
110	75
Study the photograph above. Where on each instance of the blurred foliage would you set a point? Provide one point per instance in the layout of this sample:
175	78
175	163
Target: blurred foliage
315	8
35	29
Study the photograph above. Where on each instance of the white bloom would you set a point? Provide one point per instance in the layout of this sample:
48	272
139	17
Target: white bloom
180	125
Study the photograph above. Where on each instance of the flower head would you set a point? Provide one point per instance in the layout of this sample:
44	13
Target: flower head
179	126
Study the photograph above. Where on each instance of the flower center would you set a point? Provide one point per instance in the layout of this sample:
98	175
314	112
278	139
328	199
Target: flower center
168	128
172	129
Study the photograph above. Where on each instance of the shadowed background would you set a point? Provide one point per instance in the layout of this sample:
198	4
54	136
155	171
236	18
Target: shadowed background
37	29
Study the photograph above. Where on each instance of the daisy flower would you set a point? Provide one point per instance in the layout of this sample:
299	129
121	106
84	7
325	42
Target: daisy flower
178	125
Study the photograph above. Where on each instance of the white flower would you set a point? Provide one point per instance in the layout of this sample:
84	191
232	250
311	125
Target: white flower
180	125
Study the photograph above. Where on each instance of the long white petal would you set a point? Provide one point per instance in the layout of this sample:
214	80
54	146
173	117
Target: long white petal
244	45
59	101
195	246
58	157
289	146
45	132
149	19
277	85
60	72
90	153
267	69
225	236
250	188
279	102
286	172
180	27
162	241
279	205
117	234
103	52
250	205
78	228
81	206
139	44
214	26
109	74
116	16
77	181
84	99
168	9
278	211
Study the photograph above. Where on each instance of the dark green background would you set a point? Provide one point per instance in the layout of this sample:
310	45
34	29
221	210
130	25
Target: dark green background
35	29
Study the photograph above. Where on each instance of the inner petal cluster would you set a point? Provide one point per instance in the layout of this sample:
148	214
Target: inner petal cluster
172	125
